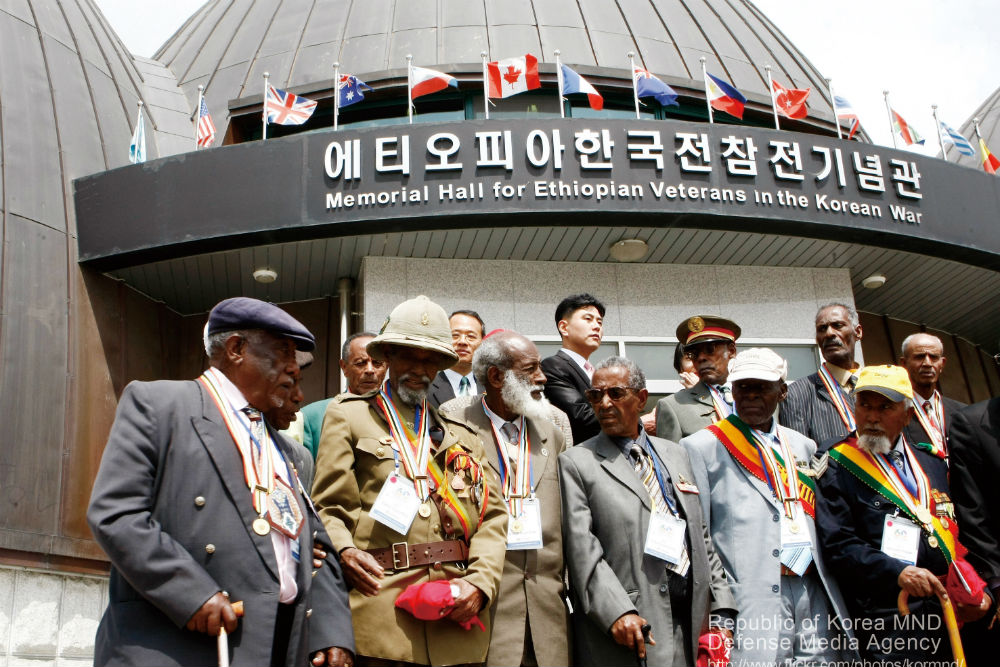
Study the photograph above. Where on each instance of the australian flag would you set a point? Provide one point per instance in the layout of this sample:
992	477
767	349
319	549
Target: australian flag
351	88
647	85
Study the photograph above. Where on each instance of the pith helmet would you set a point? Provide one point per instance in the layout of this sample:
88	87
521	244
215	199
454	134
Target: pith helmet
419	323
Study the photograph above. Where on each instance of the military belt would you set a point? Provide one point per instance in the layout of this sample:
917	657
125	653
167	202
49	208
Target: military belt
403	556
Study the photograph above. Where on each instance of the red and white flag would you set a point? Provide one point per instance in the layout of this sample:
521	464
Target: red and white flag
790	102
511	76
425	81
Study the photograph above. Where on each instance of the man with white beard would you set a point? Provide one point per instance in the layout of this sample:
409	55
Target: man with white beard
530	621
886	524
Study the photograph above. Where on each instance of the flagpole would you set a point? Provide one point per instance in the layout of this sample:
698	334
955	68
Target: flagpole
708	101
888	111
982	155
409	87
197	115
559	82
937	123
635	89
264	118
774	101
833	100
486	85
141	149
336	94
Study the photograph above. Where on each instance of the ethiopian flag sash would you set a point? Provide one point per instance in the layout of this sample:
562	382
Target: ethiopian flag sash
881	477
736	437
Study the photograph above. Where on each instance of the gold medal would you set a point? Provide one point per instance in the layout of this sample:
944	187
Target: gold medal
425	510
932	541
794	527
516	526
457	483
924	516
944	523
261	526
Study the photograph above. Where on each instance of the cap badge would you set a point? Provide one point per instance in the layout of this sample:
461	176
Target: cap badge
696	324
425	319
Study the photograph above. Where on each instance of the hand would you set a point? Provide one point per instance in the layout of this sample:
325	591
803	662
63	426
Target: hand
468	602
627	631
649	423
361	570
967	613
689	379
318	556
333	657
920	582
214	614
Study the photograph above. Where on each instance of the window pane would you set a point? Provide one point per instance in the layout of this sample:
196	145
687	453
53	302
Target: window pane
655	359
801	359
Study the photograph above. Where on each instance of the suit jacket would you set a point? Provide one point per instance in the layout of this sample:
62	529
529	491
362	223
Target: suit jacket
606	512
455	406
686	412
441	390
564	388
532	583
744	518
171	509
809	409
915	431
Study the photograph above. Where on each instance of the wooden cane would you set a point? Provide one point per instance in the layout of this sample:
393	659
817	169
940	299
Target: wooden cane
950	622
223	640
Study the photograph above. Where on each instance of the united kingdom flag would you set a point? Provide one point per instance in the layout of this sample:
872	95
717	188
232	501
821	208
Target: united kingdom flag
285	108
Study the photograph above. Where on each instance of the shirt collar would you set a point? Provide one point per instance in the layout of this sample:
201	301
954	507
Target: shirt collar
625	444
497	420
578	358
841	375
230	390
454	378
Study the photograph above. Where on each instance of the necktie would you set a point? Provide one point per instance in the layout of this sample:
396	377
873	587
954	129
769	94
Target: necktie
587	366
257	429
511	432
896	457
463	386
852	381
727	393
644	468
929	411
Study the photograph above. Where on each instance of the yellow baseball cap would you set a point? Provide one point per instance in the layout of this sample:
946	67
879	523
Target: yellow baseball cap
893	382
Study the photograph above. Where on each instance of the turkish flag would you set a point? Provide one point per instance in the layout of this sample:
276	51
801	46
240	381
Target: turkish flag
790	102
511	76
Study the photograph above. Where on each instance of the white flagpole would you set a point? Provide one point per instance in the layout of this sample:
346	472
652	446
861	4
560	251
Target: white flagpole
486	85
888	111
264	118
774	101
559	80
635	87
708	102
833	100
409	87
336	94
197	115
937	124
982	157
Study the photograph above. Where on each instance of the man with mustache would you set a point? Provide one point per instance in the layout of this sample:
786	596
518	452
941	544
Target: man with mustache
407	497
820	406
923	358
886	524
530	620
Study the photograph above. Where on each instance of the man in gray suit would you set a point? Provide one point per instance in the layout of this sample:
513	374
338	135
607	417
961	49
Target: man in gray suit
764	531
710	342
197	503
636	545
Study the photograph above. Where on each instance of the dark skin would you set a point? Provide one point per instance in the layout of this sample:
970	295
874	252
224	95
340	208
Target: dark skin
711	359
363	373
527	365
836	337
756	401
924	361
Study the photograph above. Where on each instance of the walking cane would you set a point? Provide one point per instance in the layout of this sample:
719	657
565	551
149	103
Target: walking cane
950	622
223	639
641	662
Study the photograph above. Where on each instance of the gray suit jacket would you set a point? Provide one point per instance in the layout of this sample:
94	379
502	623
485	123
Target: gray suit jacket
171	509
686	412
606	513
440	391
743	516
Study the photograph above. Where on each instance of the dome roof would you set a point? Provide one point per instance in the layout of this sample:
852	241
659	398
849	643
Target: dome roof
988	114
227	46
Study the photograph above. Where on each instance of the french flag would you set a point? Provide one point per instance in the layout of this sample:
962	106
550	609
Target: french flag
723	97
426	81
574	83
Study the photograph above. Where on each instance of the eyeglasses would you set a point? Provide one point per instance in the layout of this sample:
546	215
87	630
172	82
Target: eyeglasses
709	347
595	395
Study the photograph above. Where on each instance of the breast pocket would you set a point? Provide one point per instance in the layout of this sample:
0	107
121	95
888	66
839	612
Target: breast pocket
373	462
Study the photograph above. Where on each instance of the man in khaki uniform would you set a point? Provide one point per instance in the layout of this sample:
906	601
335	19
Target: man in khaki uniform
441	516
530	620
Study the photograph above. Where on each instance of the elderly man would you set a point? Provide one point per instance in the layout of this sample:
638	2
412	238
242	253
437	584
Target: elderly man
923	358
637	547
408	498
820	406
530	620
886	524
759	500
709	342
467	333
197	503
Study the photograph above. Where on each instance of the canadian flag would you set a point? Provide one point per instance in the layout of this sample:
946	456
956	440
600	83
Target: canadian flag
511	76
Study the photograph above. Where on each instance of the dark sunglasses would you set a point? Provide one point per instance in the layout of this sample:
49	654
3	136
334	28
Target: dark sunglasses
709	348
594	395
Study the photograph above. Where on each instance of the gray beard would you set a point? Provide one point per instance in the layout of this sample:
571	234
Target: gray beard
412	397
516	395
874	444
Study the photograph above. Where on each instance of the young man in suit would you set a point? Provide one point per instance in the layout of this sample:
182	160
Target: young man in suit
923	358
580	322
467	333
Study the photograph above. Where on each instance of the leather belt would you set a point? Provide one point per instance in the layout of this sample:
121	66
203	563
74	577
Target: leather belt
403	556
788	572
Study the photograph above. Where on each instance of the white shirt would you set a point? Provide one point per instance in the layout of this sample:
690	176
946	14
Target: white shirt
580	361
455	378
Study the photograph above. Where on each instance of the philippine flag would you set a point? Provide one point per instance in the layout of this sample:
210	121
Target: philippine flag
904	131
790	102
511	76
426	81
648	85
844	110
574	83
723	97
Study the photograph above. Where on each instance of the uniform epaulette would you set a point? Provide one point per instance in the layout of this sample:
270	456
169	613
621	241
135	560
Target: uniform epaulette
818	465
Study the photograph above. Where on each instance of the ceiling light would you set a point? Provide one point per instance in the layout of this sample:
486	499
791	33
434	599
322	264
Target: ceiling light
265	276
874	281
628	250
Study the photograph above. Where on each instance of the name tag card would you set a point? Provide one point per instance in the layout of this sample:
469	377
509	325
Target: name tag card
900	539
665	537
396	504
795	531
525	531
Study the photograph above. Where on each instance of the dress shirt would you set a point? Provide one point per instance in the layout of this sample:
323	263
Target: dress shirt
454	378
580	361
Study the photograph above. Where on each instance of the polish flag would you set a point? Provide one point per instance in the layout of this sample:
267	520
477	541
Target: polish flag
511	76
426	81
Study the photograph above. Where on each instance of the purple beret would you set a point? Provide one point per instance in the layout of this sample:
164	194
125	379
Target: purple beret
245	313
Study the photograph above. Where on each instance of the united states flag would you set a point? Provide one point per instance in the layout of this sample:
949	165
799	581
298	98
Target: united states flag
206	128
285	108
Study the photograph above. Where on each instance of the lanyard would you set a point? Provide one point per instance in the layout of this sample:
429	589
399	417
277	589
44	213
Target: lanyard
839	400
415	455
658	470
722	407
787	493
918	503
518	483
933	425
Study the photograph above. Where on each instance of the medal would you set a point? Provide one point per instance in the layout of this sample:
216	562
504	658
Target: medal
457	483
924	515
794	527
283	511
425	510
932	541
517	526
261	526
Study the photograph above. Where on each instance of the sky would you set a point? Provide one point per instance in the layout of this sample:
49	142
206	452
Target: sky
923	52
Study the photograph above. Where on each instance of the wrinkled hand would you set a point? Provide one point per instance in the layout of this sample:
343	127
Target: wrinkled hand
468	602
920	582
214	614
649	423
627	631
318	556
333	657
361	570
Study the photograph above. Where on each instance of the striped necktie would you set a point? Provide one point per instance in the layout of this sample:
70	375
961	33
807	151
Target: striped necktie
647	473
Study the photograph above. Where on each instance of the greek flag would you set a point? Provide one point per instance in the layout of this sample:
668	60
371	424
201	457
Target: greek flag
955	138
137	149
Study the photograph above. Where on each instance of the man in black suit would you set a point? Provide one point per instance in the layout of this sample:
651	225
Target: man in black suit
580	321
923	358
467	333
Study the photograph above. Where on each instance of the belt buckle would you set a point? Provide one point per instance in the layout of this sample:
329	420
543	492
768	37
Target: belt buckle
400	563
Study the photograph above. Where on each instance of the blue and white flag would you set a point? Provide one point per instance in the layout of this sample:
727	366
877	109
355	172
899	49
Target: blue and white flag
648	85
574	83
137	149
351	90
955	138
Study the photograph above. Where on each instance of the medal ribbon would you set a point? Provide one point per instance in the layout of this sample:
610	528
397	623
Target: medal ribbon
414	450
933	427
877	473
516	482
737	438
837	396
722	408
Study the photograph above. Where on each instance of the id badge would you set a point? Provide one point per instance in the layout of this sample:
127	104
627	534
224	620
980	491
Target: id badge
525	531
396	504
665	537
900	539
795	531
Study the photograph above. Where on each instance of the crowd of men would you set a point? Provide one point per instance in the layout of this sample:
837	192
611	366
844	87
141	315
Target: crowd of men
467	502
